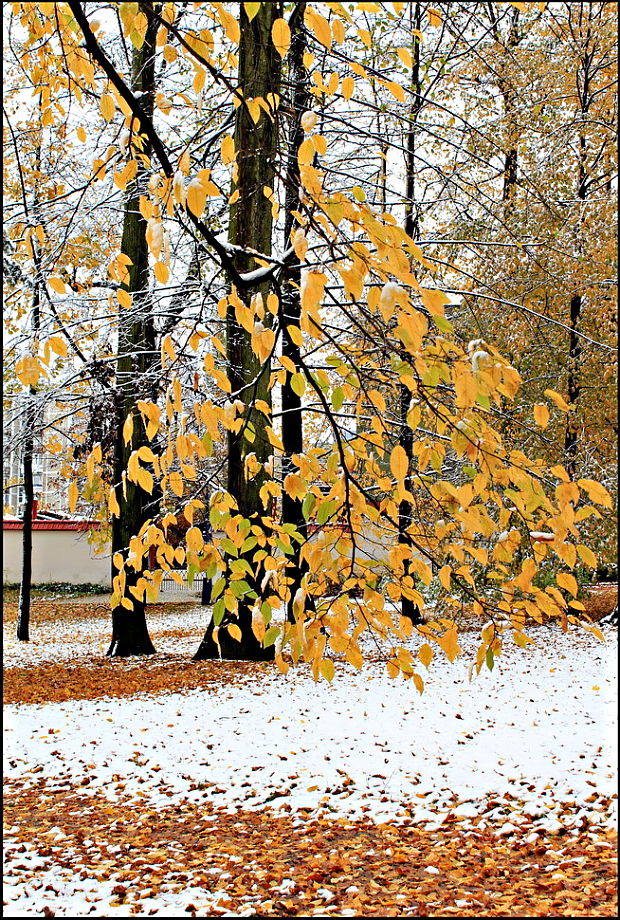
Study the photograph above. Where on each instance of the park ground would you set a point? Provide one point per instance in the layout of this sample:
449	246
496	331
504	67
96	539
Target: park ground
167	787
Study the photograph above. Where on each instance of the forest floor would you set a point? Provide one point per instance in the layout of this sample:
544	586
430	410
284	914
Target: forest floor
168	787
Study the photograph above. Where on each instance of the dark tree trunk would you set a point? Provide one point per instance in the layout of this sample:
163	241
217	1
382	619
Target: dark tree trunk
571	433
23	611
251	225
137	355
509	97
408	608
290	314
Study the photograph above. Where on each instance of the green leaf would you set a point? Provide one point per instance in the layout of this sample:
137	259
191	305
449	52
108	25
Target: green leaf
218	587
325	512
248	544
192	571
266	612
307	506
298	384
218	612
229	547
239	588
270	636
337	398
211	570
490	659
443	324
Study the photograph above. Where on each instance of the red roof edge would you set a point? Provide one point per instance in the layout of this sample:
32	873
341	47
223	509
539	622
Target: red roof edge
53	525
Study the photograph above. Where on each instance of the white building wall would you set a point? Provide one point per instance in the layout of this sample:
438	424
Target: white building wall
58	556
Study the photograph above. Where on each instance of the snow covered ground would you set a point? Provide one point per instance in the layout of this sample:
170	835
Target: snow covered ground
541	717
541	727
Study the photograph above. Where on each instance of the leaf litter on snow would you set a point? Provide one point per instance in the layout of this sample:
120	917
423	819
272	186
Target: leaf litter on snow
524	753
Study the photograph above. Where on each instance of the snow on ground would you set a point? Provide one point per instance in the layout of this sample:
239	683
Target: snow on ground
54	642
541	726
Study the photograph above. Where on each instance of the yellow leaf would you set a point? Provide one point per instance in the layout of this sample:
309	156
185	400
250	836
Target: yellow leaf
444	576
228	150
28	370
57	285
338	33
587	556
405	56
295	486
295	335
281	36
251	9
145	480
298	384
125	299
348	87
596	492
58	345
426	654
161	272
397	91
113	506
319	26
327	669
354	657
73	496
449	644
194	540
167	348
541	415
107	106
306	152
558	400
274	440
232	628
312	288
419	683
81	134
176	483
567	581
434	301
231	26
128	429
365	36
434	16
399	463
196	197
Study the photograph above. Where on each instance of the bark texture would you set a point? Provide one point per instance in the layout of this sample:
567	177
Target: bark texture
410	609
137	356
251	225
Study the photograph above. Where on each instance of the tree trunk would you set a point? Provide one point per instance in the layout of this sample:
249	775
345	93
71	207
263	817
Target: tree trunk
408	608
251	224
571	433
136	356
290	314
23	611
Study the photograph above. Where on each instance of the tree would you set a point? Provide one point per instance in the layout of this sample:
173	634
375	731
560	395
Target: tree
250	228
137	359
416	475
